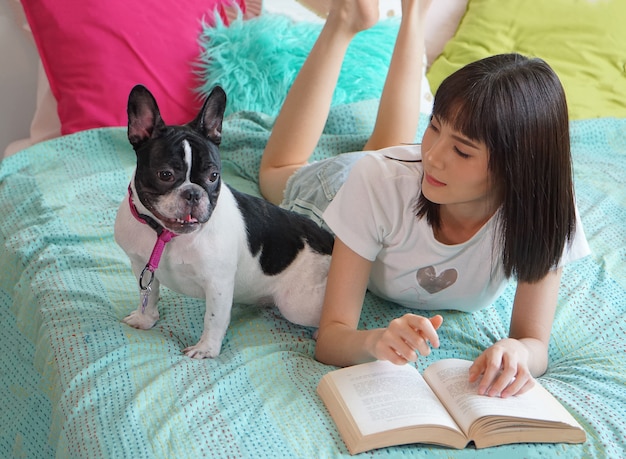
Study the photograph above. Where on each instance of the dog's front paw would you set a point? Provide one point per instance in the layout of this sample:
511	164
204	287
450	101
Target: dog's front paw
142	321
200	351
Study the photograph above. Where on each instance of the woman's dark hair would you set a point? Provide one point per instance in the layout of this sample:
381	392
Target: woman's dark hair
516	106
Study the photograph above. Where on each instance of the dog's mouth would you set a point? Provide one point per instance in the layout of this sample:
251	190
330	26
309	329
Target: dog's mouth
176	216
188	220
186	224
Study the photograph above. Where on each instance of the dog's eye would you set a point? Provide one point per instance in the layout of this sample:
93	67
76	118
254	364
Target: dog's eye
213	176
166	176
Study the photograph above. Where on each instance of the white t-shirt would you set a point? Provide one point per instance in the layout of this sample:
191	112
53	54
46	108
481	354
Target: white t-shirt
373	213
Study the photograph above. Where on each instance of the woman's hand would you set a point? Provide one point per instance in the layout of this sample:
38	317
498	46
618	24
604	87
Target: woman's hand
405	337
507	368
503	369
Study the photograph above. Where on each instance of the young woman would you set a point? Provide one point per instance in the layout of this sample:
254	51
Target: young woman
488	196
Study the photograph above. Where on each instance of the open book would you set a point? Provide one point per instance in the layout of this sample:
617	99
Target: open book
380	404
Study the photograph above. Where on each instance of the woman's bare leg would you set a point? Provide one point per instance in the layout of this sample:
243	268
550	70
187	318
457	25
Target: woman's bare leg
399	107
303	115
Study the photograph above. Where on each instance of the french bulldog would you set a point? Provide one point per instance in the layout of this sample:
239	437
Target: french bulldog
182	226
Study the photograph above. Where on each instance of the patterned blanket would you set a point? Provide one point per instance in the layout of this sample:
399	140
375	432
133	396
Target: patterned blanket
79	383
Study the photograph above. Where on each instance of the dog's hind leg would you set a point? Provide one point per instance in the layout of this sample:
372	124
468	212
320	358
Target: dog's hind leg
301	294
302	306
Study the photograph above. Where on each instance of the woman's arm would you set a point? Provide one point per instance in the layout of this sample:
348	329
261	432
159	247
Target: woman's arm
525	353
340	343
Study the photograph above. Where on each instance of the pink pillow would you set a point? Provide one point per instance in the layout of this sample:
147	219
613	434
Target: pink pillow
95	51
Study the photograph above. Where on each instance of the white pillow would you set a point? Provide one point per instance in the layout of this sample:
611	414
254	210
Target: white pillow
442	20
45	123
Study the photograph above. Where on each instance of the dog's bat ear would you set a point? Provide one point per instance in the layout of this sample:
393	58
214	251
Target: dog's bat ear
209	120
144	118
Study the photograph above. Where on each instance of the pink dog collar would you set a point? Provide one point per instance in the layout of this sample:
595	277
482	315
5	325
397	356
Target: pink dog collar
163	237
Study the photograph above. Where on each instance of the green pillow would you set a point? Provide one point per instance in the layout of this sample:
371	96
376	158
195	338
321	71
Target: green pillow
583	40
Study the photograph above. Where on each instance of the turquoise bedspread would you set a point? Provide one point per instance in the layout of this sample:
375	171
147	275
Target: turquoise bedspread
77	382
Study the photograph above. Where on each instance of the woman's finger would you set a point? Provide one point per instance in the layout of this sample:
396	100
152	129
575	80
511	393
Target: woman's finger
491	368
522	382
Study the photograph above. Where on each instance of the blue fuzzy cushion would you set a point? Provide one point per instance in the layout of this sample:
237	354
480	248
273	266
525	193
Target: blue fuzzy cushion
256	61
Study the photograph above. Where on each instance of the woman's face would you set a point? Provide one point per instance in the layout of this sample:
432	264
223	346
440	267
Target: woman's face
456	171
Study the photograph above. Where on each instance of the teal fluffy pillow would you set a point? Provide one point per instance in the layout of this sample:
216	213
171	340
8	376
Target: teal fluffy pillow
256	61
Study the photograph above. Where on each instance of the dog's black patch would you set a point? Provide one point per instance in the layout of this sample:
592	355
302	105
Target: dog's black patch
279	234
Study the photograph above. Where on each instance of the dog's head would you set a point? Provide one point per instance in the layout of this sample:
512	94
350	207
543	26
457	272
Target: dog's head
178	175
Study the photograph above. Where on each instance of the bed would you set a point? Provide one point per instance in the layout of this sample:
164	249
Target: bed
79	383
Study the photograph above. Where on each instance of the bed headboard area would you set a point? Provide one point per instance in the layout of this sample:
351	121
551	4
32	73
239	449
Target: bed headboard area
79	383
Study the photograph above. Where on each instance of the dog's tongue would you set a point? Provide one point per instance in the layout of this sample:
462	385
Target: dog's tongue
188	218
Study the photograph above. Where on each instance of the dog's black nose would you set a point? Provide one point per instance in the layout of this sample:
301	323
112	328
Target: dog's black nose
192	196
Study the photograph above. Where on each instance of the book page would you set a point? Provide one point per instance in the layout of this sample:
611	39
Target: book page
449	379
382	396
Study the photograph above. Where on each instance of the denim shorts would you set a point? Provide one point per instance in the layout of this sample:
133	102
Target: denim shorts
311	188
